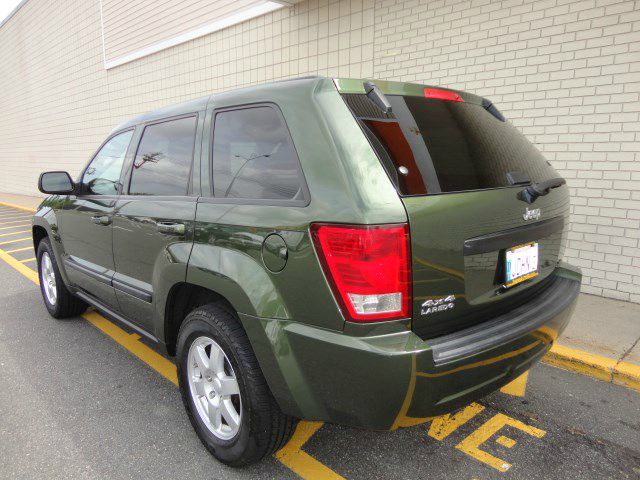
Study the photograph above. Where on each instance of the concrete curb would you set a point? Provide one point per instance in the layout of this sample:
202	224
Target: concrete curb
578	361
597	366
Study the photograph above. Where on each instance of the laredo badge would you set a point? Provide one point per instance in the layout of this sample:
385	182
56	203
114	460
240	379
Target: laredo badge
438	304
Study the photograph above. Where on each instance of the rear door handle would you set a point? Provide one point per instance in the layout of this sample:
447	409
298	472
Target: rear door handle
101	220
171	228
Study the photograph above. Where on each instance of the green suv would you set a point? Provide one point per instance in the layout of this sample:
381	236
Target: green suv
361	252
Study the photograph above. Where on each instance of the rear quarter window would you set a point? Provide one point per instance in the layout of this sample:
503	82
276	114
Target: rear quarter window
254	157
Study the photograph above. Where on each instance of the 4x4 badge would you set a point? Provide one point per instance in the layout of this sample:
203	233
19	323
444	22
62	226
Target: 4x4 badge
533	214
438	304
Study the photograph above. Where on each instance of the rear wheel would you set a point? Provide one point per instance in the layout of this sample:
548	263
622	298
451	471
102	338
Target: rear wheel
224	392
60	302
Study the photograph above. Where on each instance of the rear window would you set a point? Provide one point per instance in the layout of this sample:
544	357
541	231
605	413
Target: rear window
432	146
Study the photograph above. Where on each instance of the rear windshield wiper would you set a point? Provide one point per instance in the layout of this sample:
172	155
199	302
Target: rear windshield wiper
540	189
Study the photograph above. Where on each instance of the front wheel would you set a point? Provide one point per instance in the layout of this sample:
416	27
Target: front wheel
224	392
60	302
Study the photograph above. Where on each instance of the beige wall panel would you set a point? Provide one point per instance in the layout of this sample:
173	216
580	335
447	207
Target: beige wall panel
130	25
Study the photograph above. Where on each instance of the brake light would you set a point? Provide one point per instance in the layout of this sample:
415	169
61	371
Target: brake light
439	94
368	268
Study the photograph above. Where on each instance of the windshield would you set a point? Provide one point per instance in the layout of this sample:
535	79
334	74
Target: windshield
432	146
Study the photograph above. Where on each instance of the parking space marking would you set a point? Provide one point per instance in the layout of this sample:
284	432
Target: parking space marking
15	226
160	364
300	462
14	233
15	240
444	425
13	222
15	250
27	260
13	217
471	444
517	387
20	267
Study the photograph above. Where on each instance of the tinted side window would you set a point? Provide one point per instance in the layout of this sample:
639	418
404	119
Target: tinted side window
253	156
102	176
163	161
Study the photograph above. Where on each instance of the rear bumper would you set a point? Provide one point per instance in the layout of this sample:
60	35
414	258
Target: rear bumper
387	381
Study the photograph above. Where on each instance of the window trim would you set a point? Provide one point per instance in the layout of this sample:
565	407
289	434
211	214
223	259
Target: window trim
95	154
210	197
143	126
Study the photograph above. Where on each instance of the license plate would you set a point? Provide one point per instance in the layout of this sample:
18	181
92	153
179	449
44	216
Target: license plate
521	263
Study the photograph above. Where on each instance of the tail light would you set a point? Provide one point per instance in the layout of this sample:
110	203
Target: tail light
440	94
368	268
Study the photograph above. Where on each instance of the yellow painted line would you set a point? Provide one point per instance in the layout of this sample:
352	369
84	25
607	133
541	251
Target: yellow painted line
19	207
131	342
28	260
445	425
518	386
13	222
506	441
14	214
22	218
291	455
18	249
301	463
471	444
16	226
14	233
20	267
15	240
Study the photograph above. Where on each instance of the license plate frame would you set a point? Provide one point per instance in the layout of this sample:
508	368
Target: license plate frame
518	262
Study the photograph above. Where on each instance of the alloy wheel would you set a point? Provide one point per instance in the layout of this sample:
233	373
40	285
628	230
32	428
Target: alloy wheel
48	278
214	388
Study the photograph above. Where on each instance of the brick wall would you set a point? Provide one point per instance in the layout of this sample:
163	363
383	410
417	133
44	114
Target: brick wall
567	73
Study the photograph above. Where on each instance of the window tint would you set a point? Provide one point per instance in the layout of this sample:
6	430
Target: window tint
432	146
102	176
253	156
162	165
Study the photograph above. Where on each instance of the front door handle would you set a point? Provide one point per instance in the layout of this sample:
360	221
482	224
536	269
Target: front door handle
171	228
101	220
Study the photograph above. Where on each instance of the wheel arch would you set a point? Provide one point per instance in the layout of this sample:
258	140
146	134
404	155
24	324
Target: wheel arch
182	299
38	233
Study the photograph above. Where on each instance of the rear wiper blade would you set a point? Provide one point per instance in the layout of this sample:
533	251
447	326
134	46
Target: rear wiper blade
540	189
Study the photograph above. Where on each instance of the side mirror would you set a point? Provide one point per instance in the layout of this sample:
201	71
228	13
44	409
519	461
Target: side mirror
55	183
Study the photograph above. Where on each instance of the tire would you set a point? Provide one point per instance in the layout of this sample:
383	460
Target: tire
60	302
262	427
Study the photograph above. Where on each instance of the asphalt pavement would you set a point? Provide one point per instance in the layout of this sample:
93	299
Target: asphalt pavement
76	404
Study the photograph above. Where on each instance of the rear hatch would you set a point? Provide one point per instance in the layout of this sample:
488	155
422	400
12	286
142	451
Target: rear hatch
477	249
